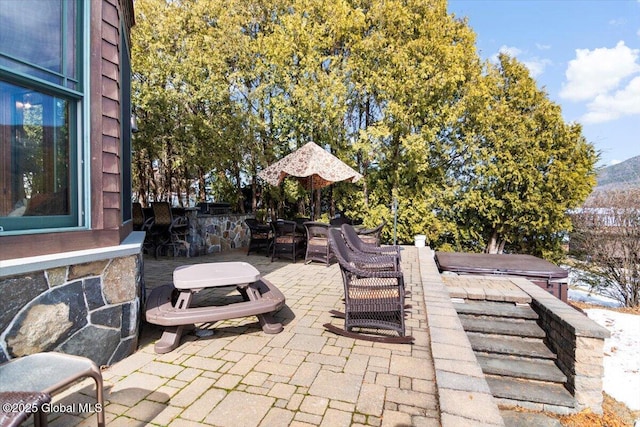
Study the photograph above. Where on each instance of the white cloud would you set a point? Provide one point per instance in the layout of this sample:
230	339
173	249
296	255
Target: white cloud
512	51
596	72
607	107
541	46
614	162
536	66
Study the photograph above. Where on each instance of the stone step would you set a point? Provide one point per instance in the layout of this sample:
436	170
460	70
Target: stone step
513	346
530	391
501	326
497	309
515	418
520	367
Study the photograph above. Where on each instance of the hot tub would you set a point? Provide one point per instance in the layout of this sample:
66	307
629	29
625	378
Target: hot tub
541	272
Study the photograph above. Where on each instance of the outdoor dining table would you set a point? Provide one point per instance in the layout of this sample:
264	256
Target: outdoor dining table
170	305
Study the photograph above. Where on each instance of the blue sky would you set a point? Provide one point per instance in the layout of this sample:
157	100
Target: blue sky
585	54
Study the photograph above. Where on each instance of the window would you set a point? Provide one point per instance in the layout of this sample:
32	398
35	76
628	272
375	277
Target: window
40	99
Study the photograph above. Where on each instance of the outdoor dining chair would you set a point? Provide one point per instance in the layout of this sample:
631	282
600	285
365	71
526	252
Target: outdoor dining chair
49	373
373	299
260	236
318	248
142	221
168	231
371	235
288	240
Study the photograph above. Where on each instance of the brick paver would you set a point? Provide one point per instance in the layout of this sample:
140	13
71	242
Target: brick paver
305	375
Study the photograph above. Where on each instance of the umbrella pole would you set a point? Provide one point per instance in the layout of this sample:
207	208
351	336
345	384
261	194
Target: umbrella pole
313	203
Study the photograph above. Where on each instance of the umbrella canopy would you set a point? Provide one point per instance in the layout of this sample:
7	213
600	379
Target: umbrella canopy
312	165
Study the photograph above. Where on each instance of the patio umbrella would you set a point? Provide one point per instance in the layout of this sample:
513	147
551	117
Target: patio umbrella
313	166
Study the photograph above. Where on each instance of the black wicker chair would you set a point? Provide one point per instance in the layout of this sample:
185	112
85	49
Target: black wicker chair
143	222
260	236
374	298
169	231
288	240
318	248
371	235
355	242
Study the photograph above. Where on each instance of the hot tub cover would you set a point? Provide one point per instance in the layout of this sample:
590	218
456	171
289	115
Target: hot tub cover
508	264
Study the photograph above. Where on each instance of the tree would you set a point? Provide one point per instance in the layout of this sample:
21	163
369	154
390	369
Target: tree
411	72
525	168
477	157
606	242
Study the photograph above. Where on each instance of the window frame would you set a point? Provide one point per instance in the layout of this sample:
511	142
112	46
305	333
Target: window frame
78	100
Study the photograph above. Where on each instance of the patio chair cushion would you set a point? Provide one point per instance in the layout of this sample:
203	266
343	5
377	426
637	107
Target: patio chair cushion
385	288
289	239
318	241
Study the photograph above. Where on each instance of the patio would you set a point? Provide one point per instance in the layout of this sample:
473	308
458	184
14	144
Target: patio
304	375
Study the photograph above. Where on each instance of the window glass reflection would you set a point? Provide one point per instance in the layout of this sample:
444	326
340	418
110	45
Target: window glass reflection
35	147
38	38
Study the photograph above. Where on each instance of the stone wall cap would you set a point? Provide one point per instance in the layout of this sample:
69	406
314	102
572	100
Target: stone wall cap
131	245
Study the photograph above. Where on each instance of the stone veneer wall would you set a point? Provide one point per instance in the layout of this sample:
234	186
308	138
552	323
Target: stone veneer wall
578	342
217	233
90	309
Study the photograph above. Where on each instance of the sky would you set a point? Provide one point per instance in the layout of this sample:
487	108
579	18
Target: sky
584	53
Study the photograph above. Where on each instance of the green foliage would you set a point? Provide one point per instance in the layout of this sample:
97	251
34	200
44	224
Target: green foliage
530	169
476	156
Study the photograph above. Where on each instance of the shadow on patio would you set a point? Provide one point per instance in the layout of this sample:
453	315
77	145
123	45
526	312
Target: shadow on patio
304	375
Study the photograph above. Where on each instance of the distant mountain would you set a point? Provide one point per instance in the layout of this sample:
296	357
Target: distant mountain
625	174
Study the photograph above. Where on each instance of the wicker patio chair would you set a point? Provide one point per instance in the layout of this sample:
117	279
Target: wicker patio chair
260	236
169	231
143	222
288	240
371	235
17	406
374	299
318	248
355	242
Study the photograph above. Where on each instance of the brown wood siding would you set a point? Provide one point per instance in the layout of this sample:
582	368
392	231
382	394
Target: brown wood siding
111	145
97	208
111	164
110	107
104	145
110	70
111	125
23	246
112	183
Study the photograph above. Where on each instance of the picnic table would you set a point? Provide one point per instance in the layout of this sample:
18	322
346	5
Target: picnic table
170	305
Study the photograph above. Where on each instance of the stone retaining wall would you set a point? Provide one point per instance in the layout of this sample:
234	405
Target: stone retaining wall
217	233
577	340
464	396
90	309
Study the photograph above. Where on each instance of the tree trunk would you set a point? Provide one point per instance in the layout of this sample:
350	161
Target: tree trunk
495	245
202	190
254	198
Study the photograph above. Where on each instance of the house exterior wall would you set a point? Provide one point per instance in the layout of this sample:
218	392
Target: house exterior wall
106	225
80	291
